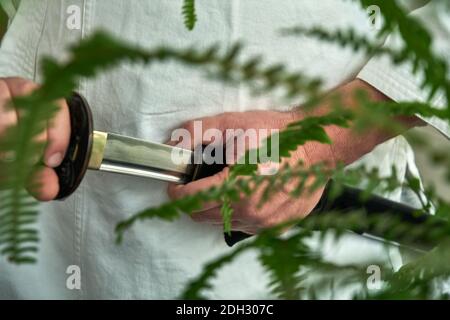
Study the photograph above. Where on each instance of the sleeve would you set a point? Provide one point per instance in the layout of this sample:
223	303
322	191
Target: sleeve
398	81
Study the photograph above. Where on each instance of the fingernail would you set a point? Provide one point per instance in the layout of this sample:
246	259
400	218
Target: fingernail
54	160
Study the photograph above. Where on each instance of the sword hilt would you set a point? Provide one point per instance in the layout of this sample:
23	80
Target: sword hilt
206	170
75	163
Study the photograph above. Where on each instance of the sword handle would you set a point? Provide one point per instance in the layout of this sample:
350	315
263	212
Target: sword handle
206	170
76	160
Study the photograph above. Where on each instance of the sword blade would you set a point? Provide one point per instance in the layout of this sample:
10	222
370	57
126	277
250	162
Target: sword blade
121	154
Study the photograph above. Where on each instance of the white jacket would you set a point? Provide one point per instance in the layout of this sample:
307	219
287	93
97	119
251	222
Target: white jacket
158	258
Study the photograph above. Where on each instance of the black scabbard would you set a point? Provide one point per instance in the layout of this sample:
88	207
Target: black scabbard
349	200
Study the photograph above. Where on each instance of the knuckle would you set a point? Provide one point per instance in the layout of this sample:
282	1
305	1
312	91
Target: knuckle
170	193
173	192
8	116
259	219
55	144
225	115
4	89
250	214
222	120
27	87
268	222
215	122
189	126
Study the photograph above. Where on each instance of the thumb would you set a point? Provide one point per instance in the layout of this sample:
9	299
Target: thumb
58	136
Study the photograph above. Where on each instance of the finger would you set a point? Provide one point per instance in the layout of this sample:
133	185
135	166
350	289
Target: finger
177	191
212	216
57	132
207	130
58	136
8	116
44	184
227	131
19	87
236	146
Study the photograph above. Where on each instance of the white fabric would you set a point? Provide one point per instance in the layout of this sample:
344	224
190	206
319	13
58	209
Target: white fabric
10	7
398	82
158	258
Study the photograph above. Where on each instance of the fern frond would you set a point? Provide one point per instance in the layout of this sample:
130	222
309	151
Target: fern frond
226	211
189	15
297	133
18	238
419	279
17	213
283	259
309	129
195	288
417	47
289	261
95	54
345	38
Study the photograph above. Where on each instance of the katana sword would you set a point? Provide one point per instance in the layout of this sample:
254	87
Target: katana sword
110	152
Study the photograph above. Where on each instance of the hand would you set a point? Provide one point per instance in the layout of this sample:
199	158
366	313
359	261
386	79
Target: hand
56	136
347	146
248	216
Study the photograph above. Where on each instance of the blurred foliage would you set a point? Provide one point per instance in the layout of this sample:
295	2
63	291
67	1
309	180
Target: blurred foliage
289	259
3	23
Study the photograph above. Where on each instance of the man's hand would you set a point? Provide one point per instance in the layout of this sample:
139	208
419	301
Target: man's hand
347	147
248	216
56	136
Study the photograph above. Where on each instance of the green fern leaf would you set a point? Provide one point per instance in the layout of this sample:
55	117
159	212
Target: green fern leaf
188	11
